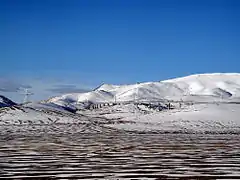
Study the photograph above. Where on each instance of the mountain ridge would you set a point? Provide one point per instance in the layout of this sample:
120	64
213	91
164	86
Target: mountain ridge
5	102
215	86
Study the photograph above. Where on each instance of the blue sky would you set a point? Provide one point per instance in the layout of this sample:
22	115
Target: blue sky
76	45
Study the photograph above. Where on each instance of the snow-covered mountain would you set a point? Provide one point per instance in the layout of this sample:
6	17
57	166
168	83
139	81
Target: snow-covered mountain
62	114
5	102
207	87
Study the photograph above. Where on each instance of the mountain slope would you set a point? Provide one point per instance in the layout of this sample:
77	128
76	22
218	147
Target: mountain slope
210	87
5	102
210	84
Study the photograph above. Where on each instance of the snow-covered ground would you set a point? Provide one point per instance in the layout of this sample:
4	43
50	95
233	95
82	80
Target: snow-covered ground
41	119
197	118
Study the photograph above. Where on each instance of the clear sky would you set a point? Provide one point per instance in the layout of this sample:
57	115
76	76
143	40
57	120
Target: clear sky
73	45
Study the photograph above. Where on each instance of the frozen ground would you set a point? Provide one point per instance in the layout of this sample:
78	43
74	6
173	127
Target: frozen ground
196	118
122	156
119	142
41	119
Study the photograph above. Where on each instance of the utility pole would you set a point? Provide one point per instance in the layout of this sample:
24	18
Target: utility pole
115	99
221	96
136	101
